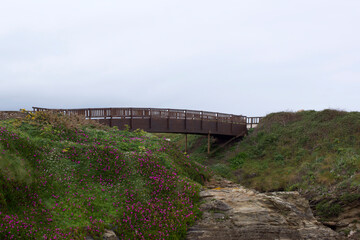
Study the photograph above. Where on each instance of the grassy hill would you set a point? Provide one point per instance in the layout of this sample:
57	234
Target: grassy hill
68	178
316	153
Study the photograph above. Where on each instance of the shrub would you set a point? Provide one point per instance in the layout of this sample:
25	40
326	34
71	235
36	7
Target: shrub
222	169
350	197
238	160
327	209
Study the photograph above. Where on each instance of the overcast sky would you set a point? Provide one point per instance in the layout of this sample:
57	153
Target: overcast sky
249	57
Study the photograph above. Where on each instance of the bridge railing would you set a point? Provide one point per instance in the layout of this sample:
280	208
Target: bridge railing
145	113
252	122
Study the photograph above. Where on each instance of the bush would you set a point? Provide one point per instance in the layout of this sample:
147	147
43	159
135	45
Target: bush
350	197
327	209
238	160
222	169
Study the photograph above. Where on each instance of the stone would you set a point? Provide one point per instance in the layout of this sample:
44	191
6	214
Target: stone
232	212
219	216
354	235
220	206
110	235
205	194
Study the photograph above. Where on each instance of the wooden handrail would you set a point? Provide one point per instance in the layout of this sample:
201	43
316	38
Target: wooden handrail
97	113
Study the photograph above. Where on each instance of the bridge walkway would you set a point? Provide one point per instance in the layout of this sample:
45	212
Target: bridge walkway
159	120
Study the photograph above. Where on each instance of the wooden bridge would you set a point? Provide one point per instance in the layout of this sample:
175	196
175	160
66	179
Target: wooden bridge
159	120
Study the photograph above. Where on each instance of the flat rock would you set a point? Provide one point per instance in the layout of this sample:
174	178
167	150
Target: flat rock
234	212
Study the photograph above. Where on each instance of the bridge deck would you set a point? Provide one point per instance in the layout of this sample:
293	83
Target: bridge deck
164	120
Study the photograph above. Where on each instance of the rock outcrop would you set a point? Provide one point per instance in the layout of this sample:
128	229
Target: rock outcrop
348	221
231	211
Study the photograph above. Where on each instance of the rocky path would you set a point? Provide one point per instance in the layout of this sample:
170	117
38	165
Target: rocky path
231	211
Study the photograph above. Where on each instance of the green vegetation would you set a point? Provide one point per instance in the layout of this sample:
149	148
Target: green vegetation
306	150
316	153
66	177
327	209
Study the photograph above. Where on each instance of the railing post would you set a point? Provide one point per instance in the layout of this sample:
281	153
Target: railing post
209	142
111	116
185	119
150	116
217	122
168	120
131	118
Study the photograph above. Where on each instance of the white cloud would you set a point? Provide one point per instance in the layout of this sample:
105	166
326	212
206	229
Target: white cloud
249	57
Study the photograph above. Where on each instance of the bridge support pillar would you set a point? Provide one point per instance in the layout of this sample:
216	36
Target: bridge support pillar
186	143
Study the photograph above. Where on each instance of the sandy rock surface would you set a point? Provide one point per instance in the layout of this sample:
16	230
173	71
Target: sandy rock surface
231	211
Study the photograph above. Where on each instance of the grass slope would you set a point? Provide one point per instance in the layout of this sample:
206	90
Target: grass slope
68	178
316	153
302	150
